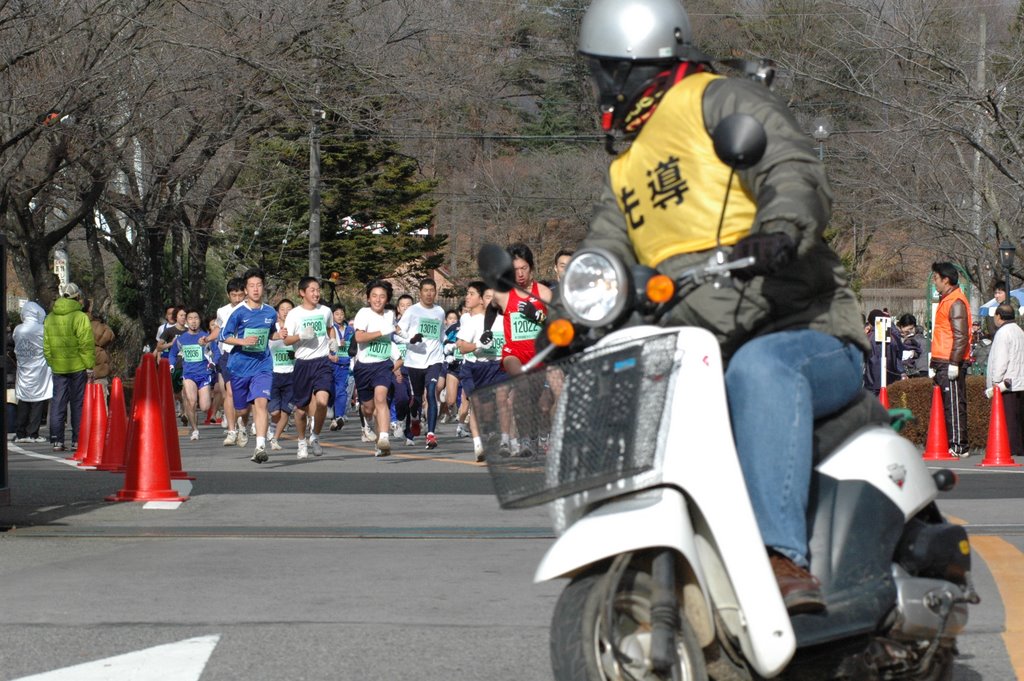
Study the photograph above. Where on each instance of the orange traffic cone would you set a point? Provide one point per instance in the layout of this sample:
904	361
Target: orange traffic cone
883	397
170	422
147	477
97	427
937	447
84	427
115	441
997	451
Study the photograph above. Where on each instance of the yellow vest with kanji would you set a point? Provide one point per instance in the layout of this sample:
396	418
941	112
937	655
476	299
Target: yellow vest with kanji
670	185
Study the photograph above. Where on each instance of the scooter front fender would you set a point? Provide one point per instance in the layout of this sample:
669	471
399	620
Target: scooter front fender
645	520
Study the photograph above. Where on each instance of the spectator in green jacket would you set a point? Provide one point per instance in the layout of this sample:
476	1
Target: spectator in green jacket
69	350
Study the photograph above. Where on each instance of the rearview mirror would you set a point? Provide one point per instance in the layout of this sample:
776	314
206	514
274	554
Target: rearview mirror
739	141
496	269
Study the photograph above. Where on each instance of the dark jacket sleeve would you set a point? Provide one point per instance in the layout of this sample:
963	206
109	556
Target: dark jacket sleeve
961	331
789	183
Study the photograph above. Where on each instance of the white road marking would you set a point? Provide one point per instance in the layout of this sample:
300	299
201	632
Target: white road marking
58	459
161	505
181	661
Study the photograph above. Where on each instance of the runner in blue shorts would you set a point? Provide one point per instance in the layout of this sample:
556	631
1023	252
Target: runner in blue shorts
377	361
482	353
187	351
281	405
309	329
249	329
236	294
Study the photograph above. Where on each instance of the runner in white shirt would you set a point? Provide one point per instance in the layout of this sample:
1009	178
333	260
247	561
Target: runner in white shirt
377	361
281	400
423	326
310	330
482	355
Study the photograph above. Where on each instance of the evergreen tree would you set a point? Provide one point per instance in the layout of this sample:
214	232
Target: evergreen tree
376	212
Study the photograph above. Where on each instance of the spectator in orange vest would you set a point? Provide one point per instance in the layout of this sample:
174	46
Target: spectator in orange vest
951	349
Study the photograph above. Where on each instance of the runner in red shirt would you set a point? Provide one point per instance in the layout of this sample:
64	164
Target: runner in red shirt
523	315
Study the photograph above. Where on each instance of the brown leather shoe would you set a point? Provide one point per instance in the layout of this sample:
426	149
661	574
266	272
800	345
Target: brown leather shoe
801	591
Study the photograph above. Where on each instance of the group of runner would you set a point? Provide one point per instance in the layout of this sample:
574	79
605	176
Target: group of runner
269	361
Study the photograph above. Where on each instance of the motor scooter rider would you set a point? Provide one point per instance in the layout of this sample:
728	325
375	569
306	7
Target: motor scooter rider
790	328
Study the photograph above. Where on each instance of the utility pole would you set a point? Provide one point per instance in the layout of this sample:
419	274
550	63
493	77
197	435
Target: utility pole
976	168
314	193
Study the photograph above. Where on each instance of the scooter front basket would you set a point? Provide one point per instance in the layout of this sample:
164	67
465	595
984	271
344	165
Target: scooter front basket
581	423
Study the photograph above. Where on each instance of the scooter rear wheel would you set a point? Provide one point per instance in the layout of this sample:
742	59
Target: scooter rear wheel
584	648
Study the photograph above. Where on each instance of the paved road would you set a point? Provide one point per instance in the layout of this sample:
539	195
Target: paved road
342	567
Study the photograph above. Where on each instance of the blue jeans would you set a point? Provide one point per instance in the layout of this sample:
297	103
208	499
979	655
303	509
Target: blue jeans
67	389
777	385
340	389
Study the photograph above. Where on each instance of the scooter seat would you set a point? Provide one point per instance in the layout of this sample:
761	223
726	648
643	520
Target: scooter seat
832	430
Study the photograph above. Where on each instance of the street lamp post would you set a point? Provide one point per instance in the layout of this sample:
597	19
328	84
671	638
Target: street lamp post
1006	253
821	129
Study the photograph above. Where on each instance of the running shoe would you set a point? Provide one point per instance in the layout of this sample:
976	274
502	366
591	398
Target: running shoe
504	449
461	431
368	435
260	455
303	450
478	450
383	445
409	442
275	446
231	438
58	446
243	438
315	447
525	447
38	439
396	429
431	441
337	423
194	436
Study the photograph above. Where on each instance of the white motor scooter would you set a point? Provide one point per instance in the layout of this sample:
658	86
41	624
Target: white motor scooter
631	444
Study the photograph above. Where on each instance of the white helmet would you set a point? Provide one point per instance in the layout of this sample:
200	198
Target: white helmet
648	30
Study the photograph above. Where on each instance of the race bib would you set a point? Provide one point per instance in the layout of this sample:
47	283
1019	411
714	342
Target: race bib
261	336
379	348
458	353
284	357
318	324
522	328
402	350
496	345
430	328
343	347
192	353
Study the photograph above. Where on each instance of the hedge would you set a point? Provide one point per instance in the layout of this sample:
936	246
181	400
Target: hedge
915	394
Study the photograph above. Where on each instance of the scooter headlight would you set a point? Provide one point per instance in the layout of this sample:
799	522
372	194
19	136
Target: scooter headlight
595	288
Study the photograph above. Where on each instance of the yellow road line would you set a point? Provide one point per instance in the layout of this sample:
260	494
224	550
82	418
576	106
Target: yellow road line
1006	562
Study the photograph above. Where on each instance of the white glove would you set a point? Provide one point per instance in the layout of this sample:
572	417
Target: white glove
952	371
307	332
989	392
332	345
931	372
449	349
